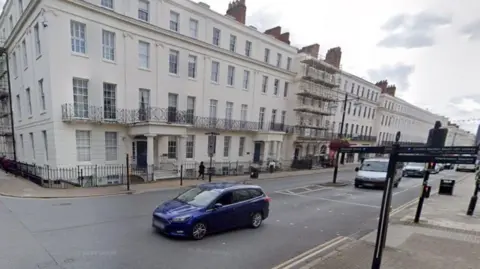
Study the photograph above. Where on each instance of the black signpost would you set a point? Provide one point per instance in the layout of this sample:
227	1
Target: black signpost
212	143
431	154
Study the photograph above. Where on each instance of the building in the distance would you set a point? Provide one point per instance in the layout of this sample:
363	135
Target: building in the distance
95	80
477	137
395	114
458	137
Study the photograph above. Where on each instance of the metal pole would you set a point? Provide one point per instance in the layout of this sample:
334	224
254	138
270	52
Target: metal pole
181	175
340	136
127	161
210	170
421	200
473	200
385	209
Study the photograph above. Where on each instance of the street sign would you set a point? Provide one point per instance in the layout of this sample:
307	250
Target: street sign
212	141
437	159
437	150
362	150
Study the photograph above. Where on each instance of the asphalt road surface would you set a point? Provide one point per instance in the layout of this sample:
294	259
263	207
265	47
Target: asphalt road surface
115	233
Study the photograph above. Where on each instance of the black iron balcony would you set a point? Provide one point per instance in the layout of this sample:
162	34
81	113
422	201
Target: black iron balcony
280	127
159	115
312	135
225	124
89	113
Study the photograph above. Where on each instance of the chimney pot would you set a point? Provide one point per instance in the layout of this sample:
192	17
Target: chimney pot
238	10
312	50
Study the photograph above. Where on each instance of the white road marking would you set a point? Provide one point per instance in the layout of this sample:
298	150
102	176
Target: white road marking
333	200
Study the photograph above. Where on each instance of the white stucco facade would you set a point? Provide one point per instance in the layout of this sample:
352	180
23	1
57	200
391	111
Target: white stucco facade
458	137
104	81
395	114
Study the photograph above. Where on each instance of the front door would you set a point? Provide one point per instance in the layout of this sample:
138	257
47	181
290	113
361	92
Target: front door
297	152
256	152
142	154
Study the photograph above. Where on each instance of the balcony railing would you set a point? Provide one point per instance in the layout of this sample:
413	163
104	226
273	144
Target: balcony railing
315	91
98	114
310	135
303	125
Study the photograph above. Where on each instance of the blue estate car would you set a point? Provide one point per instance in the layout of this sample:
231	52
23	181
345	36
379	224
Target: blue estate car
210	208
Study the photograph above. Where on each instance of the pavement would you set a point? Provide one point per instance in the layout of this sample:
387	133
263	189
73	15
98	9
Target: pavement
445	238
19	187
114	232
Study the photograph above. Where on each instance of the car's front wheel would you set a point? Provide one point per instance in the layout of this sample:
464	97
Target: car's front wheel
256	220
199	231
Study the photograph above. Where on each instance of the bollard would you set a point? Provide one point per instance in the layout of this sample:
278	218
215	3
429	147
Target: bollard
181	175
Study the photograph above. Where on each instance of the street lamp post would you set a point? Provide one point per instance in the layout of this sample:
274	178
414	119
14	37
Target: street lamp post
340	135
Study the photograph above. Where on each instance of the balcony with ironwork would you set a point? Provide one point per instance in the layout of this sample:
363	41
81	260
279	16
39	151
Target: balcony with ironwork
320	64
356	137
93	114
305	124
156	115
315	91
320	77
221	124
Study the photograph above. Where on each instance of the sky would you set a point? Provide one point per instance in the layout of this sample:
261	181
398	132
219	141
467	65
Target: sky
430	49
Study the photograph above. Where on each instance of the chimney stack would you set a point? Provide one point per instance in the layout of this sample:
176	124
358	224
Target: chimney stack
334	56
285	37
382	84
391	90
275	32
238	10
312	50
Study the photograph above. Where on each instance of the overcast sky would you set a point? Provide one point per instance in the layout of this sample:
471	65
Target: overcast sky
429	48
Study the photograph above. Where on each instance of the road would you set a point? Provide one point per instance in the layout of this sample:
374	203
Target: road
114	232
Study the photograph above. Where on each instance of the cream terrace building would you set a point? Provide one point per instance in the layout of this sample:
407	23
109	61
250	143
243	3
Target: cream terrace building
95	80
458	137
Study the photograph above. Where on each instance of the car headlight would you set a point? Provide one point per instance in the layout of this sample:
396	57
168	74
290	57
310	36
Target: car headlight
181	218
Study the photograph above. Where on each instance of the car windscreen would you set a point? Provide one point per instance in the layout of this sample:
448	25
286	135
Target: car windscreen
198	196
416	164
374	166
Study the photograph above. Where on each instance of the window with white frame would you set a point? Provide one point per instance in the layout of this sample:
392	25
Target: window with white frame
283	117
22	144
246	79
228	112
32	143
111	146
172	147
144	54
190	109
276	86
193	28
20	6
14	64
174	21
248	48
213	112
83	145
266	57
172	107
261	117
190	148
173	62
226	145
29	101
241	146
25	56
80	98
216	37
279	60
36	34
144	98
109	101
143	10
108	45
285	89
274	116
78	37
19	107
264	84
215	71
231	75
243	112
45	144
107	4
233	43
192	66
289	63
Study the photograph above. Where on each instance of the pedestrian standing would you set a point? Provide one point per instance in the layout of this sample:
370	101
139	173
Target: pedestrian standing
201	171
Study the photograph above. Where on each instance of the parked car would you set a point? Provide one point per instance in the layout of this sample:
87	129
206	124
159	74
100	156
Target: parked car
466	167
373	173
414	170
211	208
